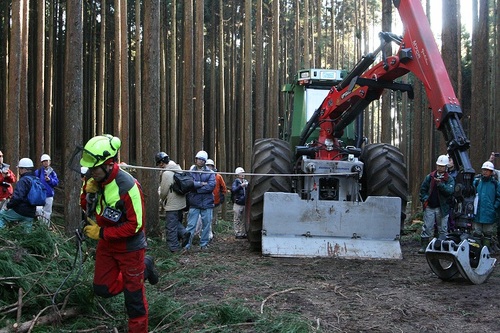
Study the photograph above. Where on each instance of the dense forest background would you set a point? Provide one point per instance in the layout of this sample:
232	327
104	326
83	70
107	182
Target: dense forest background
181	76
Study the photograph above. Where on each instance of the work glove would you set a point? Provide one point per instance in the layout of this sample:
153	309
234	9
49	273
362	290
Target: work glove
91	186
92	230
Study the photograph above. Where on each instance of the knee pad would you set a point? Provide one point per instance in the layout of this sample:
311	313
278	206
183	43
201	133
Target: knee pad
101	290
134	302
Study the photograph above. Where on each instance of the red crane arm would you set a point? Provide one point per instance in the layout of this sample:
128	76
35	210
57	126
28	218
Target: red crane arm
418	53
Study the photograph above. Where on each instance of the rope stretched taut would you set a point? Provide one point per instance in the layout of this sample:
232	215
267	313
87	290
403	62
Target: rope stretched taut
128	166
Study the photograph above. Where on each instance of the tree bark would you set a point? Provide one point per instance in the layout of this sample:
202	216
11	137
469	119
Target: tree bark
246	125
189	145
13	114
385	124
101	91
199	78
151	109
73	102
480	125
259	75
40	82
138	82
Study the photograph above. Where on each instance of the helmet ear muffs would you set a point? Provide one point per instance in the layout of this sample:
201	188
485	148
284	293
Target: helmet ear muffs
115	143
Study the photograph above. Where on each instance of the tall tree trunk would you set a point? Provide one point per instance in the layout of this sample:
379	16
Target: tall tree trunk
273	130
124	127
164	84
73	101
121	91
12	117
40	82
138	82
213	112
428	129
247	123
496	106
451	47
297	53
222	86
24	128
307	35
259	74
480	124
101	95
386	128
319	41
189	145
174	108
151	109
199	79
49	91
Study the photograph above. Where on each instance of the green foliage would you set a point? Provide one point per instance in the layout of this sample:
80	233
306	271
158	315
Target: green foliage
43	264
40	264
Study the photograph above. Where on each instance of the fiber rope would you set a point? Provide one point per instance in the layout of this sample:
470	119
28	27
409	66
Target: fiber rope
128	166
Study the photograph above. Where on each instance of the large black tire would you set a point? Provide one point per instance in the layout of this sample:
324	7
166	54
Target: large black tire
270	156
385	174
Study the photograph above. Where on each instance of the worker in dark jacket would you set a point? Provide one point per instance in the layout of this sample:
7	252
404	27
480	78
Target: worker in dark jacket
201	200
18	208
435	193
239	195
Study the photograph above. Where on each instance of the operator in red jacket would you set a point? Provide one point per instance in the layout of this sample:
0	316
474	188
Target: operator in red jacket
7	178
118	206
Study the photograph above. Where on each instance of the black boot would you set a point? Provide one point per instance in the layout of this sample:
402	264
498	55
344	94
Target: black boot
424	241
487	243
150	273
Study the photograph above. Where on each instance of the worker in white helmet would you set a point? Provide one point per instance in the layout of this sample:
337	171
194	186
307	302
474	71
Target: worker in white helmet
201	200
496	175
486	204
435	192
238	197
50	180
19	209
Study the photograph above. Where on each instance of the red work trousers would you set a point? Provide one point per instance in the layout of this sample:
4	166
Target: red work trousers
117	272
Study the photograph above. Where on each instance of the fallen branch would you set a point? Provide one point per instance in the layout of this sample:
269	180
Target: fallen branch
44	320
95	329
277	293
226	326
33	322
20	305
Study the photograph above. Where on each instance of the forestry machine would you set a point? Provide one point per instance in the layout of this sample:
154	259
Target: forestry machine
321	190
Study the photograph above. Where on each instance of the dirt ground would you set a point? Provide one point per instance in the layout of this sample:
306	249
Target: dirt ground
340	295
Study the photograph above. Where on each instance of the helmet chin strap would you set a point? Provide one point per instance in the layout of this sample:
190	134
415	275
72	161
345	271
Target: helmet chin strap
106	172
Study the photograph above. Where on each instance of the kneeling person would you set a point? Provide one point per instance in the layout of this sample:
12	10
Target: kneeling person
19	208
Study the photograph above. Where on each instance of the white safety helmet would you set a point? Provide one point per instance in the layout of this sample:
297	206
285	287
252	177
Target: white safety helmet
488	166
210	162
202	155
442	160
239	170
25	163
44	157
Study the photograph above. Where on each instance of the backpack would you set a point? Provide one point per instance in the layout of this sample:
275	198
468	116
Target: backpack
183	183
37	193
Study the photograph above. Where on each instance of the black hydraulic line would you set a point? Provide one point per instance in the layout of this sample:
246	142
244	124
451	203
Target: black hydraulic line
311	125
350	116
359	131
365	62
79	259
